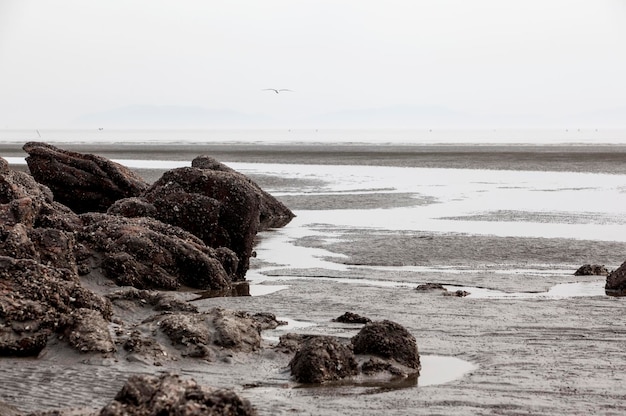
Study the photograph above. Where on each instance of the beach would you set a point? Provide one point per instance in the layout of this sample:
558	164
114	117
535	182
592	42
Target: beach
508	224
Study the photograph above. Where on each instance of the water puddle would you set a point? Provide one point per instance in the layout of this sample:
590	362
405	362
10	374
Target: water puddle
560	291
239	289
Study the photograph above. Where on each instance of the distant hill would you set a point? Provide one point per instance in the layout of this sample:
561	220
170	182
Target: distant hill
168	116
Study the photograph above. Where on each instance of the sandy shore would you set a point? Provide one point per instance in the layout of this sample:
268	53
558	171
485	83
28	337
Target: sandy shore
533	356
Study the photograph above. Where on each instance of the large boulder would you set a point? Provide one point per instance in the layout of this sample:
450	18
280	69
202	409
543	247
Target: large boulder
388	340
273	213
144	395
322	359
616	281
148	254
37	301
221	208
83	182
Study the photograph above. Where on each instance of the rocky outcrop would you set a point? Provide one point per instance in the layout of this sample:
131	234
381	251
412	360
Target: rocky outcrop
169	395
146	253
388	340
380	348
322	359
591	270
37	301
220	208
273	213
83	182
352	318
616	281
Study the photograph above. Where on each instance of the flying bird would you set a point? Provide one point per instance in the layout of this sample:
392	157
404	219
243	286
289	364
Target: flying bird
275	90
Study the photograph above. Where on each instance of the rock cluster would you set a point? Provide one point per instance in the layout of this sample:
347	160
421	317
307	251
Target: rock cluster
379	347
81	216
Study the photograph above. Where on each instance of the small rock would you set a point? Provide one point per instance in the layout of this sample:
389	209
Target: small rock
591	270
322	359
352	318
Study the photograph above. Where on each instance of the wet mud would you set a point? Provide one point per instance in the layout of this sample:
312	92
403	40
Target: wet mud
519	355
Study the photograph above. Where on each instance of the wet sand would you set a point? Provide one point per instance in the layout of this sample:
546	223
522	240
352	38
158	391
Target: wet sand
533	356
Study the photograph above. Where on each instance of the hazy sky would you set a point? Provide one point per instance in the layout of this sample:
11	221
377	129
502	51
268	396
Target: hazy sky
527	63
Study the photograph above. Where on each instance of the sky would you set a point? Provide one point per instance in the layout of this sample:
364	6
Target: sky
348	63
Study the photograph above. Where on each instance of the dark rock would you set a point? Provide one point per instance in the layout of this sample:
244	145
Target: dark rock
266	320
457	293
144	395
47	246
83	182
375	365
24	201
430	286
220	208
133	207
159	301
352	318
4	166
387	339
322	359
37	301
146	253
591	270
273	213
291	341
616	281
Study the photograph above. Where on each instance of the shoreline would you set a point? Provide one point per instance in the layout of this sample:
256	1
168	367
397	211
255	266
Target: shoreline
560	158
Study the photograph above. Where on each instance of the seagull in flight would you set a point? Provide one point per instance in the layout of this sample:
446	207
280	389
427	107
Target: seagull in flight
275	90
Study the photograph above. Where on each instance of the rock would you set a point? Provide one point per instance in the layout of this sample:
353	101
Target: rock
430	286
389	340
37	301
273	213
236	330
322	359
83	182
199	333
221	208
4	166
24	201
159	301
591	270
291	341
148	254
51	247
144	395
457	293
616	281
133	207
89	332
266	320
352	318
375	365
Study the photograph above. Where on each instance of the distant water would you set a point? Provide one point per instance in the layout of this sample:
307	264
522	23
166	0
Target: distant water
265	136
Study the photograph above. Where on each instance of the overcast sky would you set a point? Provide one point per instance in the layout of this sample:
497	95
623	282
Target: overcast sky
454	63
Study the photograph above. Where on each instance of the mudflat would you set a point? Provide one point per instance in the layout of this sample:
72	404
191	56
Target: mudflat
532	355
